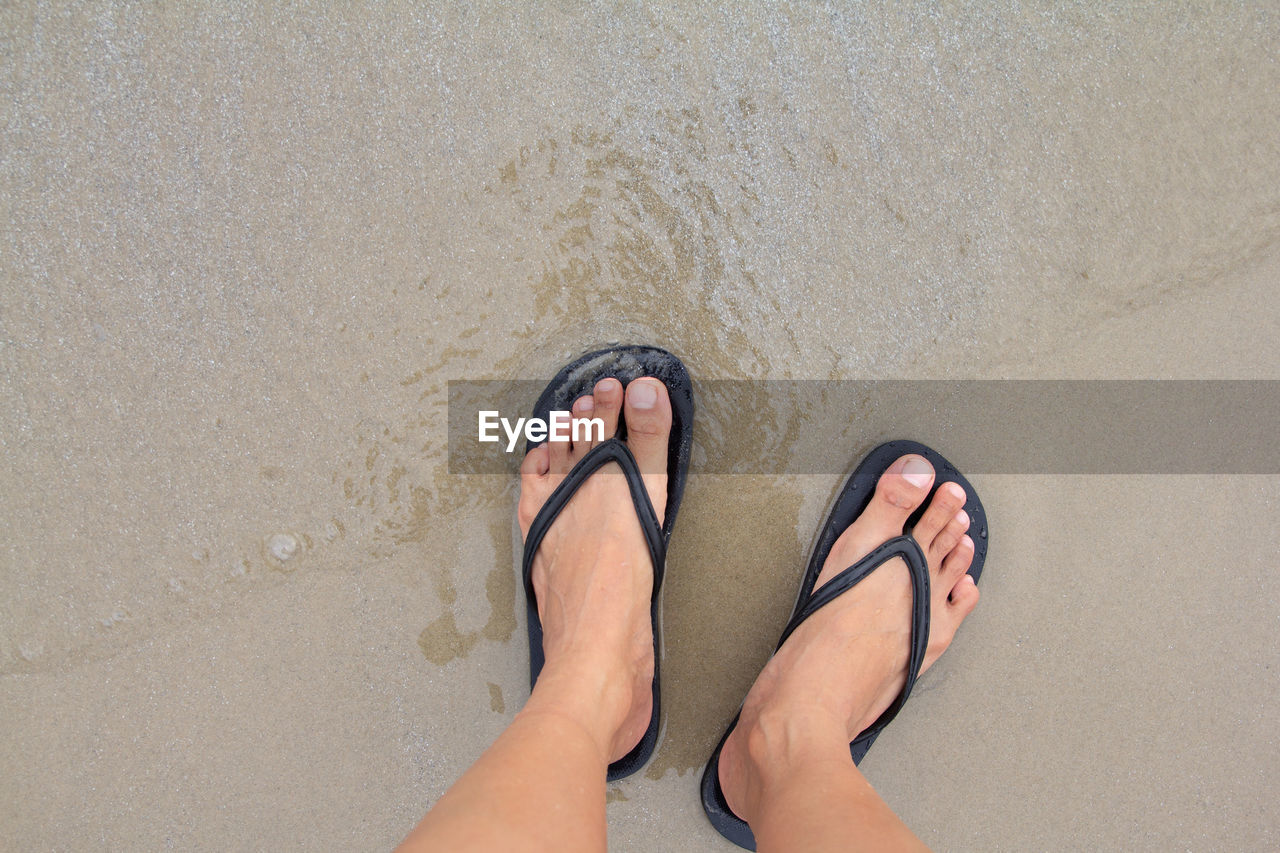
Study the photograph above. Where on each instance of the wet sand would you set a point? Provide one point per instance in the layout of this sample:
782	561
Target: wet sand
245	250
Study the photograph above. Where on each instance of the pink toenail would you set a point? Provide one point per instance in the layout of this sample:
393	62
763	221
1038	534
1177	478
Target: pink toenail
917	472
584	404
643	395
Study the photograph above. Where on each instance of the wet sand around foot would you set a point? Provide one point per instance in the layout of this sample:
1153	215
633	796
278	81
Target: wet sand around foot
245	602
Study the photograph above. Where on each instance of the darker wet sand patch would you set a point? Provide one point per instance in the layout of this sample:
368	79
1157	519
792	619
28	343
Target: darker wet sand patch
496	703
730	583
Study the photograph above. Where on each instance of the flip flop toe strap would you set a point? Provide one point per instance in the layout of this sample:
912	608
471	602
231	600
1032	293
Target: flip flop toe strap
918	568
612	450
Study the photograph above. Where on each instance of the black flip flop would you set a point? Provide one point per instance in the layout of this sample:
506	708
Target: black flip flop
853	499
623	363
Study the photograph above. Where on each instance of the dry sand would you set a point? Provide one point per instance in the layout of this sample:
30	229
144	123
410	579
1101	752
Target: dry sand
244	249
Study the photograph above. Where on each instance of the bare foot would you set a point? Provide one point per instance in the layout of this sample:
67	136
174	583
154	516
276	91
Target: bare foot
593	574
846	664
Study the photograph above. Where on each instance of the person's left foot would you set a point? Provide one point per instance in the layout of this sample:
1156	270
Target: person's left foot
592	573
845	665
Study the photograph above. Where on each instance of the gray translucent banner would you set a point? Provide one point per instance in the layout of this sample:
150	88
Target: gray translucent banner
983	426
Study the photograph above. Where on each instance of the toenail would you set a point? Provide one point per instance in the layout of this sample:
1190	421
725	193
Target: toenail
917	472
643	395
584	404
606	385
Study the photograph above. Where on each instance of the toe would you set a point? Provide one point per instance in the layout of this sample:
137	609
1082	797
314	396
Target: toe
648	416
647	411
536	462
964	596
581	432
902	488
947	538
947	501
608	397
959	559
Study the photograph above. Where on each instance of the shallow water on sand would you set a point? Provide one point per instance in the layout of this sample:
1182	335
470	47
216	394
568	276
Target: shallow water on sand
244	250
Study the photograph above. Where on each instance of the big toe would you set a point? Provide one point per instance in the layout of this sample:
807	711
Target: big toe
647	412
899	491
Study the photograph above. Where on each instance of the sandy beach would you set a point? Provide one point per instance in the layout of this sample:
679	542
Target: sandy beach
246	604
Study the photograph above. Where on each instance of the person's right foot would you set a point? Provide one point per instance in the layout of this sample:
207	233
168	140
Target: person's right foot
846	664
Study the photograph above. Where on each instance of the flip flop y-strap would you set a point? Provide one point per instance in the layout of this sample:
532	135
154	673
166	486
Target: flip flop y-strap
908	549
612	450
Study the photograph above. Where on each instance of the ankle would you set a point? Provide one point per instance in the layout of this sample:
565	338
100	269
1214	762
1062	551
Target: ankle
773	745
778	738
590	695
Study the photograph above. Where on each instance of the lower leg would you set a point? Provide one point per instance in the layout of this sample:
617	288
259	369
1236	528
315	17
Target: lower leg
540	786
